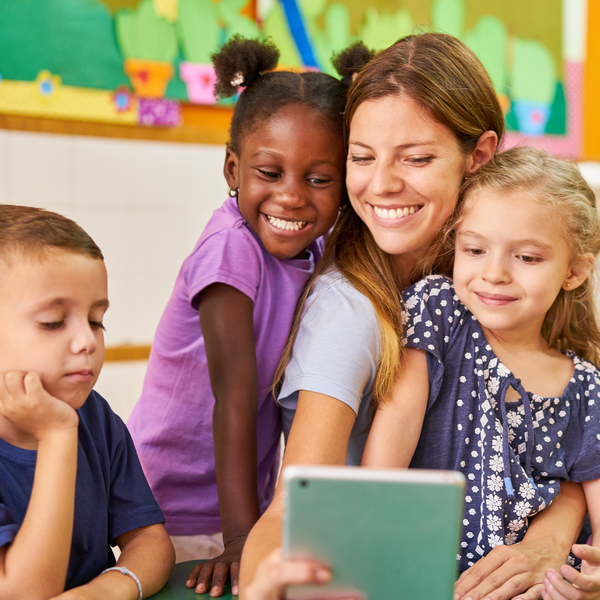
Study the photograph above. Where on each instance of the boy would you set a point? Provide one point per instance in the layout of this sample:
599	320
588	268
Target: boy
70	480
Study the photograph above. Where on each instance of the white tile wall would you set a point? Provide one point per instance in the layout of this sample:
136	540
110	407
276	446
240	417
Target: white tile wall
144	203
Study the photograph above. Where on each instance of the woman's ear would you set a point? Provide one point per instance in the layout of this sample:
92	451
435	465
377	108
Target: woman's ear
483	152
579	271
231	168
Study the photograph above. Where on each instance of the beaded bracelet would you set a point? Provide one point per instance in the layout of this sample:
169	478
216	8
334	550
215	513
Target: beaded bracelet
126	571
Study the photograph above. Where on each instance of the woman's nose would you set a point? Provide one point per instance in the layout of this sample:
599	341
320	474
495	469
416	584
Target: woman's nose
386	180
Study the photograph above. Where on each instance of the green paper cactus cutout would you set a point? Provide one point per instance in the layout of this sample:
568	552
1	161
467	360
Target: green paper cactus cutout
235	22
334	38
488	39
144	35
448	16
197	30
533	74
381	30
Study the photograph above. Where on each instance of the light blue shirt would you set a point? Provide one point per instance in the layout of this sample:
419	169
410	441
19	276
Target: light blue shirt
335	353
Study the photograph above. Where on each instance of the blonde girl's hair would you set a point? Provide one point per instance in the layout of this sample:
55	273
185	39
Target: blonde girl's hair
572	321
444	76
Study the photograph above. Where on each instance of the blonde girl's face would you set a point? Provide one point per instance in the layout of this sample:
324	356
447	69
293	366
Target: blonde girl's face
404	172
511	262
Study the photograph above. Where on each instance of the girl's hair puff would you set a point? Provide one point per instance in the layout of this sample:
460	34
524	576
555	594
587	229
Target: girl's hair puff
267	91
446	78
572	321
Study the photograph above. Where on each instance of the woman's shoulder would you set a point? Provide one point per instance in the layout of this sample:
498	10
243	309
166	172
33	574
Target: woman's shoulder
333	290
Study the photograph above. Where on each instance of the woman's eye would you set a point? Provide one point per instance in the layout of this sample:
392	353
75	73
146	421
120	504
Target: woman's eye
97	325
420	160
359	158
50	326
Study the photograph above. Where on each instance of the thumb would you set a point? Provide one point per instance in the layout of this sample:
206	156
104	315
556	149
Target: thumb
591	554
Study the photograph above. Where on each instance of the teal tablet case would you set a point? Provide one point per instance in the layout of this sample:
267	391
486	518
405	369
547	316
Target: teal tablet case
387	534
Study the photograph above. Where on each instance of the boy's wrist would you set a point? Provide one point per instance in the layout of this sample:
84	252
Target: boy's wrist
115	584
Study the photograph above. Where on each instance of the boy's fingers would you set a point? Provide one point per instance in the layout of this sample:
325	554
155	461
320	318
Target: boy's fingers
13	381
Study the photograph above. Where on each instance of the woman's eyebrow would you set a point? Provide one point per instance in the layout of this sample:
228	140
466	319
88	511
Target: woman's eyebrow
399	146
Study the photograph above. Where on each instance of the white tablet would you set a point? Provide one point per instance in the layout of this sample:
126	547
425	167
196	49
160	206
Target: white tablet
386	534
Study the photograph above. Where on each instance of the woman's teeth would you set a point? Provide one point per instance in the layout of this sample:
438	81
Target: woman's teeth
289	225
395	213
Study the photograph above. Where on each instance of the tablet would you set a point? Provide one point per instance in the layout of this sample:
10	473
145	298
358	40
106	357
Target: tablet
386	534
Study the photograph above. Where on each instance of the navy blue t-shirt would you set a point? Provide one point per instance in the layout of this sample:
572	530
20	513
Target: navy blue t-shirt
513	454
111	494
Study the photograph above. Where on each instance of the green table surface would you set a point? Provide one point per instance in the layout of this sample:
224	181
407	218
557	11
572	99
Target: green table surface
175	587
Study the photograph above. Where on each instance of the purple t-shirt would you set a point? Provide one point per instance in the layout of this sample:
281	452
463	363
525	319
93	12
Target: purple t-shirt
171	423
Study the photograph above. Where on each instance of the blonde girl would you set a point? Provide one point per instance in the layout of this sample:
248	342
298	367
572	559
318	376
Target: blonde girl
501	357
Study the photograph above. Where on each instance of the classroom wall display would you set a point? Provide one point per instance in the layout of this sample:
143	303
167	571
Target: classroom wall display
136	61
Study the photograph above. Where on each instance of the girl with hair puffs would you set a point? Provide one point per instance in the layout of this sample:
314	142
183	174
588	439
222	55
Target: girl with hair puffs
207	427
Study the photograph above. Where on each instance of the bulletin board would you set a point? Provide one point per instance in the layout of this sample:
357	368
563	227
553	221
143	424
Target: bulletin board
141	68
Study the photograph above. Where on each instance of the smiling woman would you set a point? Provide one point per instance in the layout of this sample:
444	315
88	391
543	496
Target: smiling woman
422	116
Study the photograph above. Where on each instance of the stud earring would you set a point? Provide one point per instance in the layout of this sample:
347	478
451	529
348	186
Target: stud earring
232	193
568	285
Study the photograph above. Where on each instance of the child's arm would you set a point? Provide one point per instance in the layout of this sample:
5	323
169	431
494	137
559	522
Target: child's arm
584	585
34	565
226	318
147	552
516	572
398	421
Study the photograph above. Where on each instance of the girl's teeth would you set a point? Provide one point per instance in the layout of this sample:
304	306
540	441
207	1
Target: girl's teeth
288	225
397	213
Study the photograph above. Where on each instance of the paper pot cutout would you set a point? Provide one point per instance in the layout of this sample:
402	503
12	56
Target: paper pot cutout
531	116
149	78
200	82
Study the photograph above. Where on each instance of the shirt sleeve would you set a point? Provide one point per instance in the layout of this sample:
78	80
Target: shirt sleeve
432	313
587	419
231	256
8	526
131	502
337	347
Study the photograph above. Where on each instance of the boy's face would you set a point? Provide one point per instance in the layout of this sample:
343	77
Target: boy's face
51	311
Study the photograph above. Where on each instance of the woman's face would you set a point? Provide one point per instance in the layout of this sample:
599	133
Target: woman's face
404	173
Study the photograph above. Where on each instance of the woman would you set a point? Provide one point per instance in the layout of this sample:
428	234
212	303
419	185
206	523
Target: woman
421	116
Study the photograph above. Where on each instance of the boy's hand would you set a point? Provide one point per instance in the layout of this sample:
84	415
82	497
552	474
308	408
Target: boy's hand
217	570
575	585
27	405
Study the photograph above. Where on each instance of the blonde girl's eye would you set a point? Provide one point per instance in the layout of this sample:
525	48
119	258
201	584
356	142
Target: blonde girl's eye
529	260
97	325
